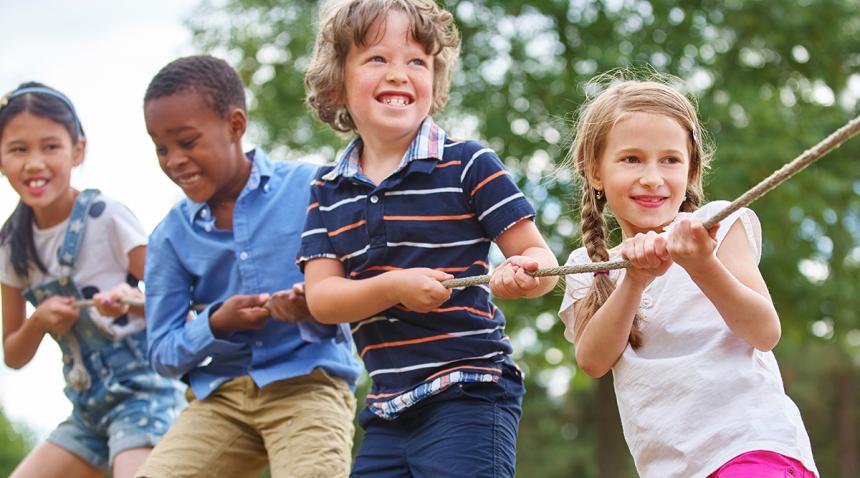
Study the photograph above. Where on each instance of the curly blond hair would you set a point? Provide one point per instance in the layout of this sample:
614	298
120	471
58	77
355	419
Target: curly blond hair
597	116
345	23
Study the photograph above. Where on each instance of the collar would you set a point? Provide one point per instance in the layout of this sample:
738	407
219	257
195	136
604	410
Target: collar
429	143
262	169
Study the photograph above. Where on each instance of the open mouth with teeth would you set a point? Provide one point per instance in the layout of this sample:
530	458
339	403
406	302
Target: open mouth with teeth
36	185
186	179
395	100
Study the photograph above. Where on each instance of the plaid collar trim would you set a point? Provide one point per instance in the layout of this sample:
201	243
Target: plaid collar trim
429	143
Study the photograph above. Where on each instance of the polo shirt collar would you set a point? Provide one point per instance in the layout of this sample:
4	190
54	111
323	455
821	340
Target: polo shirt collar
429	143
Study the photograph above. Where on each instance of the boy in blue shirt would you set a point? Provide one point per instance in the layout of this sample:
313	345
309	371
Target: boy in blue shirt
267	383
404	208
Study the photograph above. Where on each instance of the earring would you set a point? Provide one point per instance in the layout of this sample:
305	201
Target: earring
598	194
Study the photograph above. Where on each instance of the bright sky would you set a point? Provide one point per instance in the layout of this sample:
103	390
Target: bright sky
102	54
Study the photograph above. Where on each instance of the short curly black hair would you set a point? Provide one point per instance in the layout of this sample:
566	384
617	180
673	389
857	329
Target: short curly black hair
211	77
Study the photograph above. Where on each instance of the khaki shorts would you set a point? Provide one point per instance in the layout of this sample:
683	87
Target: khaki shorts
301	427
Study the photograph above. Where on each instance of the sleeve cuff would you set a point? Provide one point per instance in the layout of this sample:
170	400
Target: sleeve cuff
200	335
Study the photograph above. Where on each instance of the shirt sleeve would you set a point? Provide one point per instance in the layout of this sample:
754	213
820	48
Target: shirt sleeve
315	242
493	194
176	344
8	275
576	286
748	219
127	232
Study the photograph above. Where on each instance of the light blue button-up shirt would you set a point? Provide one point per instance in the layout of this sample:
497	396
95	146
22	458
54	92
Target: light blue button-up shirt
190	261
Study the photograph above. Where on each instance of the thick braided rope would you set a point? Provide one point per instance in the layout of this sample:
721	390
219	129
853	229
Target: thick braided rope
778	177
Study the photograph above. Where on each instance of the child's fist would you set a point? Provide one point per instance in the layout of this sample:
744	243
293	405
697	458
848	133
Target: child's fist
691	245
109	303
648	256
240	312
420	289
290	305
511	279
56	315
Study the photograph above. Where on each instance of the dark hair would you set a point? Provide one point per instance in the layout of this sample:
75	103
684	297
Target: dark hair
38	100
211	77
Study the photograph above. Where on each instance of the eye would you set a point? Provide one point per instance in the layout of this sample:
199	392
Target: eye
160	151
630	159
188	143
52	146
418	62
672	160
376	59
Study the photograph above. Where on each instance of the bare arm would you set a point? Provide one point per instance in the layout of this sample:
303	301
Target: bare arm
604	338
525	250
732	282
334	299
21	337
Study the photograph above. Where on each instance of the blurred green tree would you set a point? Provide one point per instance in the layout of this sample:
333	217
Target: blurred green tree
772	78
15	443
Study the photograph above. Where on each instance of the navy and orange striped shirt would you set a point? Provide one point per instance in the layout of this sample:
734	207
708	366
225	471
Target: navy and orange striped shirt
440	209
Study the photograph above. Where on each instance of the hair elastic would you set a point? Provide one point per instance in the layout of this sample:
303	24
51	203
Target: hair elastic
45	91
600	273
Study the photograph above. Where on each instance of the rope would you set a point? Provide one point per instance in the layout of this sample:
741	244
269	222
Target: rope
79	304
778	177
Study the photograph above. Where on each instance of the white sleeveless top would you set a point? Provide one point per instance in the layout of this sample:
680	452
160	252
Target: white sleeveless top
695	395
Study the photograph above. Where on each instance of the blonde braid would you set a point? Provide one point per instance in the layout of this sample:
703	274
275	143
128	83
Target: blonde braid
594	239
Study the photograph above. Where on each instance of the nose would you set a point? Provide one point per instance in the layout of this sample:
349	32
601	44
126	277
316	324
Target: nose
651	176
34	163
173	160
396	75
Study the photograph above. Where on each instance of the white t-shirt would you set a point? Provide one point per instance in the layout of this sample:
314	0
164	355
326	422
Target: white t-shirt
695	395
112	231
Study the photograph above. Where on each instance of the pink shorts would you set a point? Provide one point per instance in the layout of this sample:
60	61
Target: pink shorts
762	464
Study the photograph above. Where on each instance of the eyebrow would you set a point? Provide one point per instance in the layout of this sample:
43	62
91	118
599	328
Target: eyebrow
179	129
633	149
40	140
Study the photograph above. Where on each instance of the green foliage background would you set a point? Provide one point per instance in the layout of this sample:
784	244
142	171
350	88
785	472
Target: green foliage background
15	442
772	78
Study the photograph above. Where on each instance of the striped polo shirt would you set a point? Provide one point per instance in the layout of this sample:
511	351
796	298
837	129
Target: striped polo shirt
439	209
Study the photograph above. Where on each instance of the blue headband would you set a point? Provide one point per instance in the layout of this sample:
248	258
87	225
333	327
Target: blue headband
45	91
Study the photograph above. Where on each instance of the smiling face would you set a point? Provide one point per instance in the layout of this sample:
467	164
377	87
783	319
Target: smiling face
37	156
643	171
198	149
389	81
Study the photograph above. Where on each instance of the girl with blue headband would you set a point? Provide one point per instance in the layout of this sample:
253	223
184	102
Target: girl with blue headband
60	246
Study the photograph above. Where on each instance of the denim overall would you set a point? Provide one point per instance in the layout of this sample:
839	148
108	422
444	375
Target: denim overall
91	353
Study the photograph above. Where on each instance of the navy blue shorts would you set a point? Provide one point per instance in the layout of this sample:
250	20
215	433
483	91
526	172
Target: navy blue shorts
469	430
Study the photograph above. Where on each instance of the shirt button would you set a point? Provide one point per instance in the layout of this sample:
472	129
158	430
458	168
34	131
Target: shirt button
646	301
208	227
374	199
243	255
266	188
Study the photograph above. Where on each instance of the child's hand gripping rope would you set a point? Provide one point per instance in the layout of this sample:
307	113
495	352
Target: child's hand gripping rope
828	144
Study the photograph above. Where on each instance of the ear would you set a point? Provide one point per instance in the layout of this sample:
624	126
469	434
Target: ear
594	180
78	153
238	124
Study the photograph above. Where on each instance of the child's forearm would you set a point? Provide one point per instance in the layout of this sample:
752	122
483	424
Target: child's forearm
606	335
20	346
748	313
335	300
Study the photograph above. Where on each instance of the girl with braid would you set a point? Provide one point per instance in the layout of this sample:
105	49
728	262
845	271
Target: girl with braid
688	328
58	246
